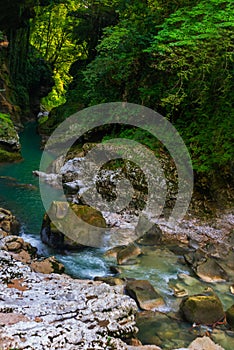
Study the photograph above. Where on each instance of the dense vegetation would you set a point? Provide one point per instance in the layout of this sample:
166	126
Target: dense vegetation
175	57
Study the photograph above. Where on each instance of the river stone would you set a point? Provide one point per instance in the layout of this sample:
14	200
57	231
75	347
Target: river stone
230	316
211	271
151	237
60	222
128	254
204	343
144	294
202	308
47	265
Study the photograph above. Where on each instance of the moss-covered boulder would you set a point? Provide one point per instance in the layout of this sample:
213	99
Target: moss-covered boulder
62	229
9	140
230	316
202	309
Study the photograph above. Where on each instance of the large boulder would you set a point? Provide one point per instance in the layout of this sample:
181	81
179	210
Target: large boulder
202	308
60	229
145	295
211	271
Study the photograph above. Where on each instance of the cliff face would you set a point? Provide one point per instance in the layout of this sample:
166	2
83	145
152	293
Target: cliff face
24	76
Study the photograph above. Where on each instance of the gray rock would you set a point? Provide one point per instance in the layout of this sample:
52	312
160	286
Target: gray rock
56	311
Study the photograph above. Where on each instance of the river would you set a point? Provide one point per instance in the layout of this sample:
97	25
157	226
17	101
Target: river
19	192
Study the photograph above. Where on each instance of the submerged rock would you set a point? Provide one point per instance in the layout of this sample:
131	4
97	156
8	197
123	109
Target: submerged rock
144	294
202	309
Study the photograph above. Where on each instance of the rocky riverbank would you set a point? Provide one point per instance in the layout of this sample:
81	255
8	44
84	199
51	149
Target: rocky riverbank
41	309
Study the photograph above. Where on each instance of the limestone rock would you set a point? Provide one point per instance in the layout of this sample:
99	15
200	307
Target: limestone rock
144	294
9	140
128	254
59	312
202	308
230	316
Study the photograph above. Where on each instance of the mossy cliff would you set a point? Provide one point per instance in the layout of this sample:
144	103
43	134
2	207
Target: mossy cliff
24	77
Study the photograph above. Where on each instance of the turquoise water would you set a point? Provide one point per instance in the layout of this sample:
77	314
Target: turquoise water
19	192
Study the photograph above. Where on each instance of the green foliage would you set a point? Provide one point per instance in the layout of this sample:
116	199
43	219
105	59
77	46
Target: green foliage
51	35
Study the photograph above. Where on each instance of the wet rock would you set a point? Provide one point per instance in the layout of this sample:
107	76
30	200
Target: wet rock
230	316
202	308
62	229
151	237
211	271
128	255
59	312
144	294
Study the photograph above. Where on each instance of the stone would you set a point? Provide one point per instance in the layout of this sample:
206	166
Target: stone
202	309
152	237
204	343
47	265
211	271
145	295
8	222
128	254
230	316
64	230
59	312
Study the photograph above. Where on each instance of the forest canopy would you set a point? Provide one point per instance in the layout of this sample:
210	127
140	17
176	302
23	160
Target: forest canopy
175	57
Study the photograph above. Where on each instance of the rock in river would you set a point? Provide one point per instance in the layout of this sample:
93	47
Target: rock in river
65	226
144	294
202	309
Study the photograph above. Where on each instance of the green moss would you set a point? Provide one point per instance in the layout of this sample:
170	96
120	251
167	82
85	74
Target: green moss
6	156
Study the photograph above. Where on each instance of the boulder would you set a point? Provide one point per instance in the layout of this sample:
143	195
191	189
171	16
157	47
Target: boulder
8	223
152	237
204	343
202	309
230	316
47	265
211	271
145	295
60	229
128	254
